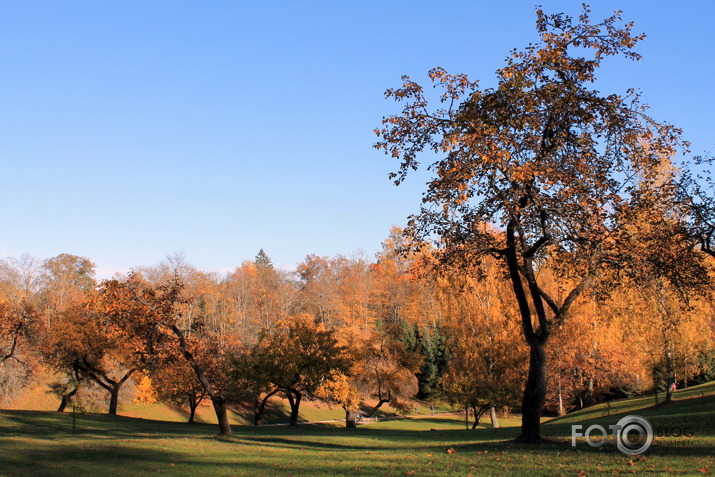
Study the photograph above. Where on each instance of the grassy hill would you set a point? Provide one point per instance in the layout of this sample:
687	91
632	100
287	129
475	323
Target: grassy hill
38	397
43	443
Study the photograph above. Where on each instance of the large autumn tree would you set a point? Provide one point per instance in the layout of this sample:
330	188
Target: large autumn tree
543	155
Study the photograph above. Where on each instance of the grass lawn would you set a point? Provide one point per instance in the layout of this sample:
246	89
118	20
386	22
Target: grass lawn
42	443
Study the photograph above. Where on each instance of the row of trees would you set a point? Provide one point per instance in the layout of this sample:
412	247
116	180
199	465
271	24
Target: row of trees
340	330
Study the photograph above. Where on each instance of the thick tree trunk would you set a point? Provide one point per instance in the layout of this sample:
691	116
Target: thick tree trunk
294	401
114	399
351	419
477	415
534	394
493	417
221	411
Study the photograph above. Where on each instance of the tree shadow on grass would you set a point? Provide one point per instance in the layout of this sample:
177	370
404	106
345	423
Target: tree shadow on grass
77	460
43	424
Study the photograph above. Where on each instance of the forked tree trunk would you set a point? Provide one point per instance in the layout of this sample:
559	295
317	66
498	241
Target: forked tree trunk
294	401
111	385
193	404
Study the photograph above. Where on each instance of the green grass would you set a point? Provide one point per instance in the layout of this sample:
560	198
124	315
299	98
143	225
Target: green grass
42	443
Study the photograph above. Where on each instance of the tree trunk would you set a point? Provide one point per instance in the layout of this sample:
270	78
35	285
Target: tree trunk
114	399
561	400
193	404
588	399
351	419
257	411
112	386
493	417
66	399
294	401
669	375
534	394
221	411
260	405
477	415
670	387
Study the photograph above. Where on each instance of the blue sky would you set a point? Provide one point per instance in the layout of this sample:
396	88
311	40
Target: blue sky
132	130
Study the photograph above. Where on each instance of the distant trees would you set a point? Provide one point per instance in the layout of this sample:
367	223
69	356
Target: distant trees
486	355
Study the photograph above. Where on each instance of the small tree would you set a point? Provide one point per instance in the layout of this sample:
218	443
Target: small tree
299	354
340	388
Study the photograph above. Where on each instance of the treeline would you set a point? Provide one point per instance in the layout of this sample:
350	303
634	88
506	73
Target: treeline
336	329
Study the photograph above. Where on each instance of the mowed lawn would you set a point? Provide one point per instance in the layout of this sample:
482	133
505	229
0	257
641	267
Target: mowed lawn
42	443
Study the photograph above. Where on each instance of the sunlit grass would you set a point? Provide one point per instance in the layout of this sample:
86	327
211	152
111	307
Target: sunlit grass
42	443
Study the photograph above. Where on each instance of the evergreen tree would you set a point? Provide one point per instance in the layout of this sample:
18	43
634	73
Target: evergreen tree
262	261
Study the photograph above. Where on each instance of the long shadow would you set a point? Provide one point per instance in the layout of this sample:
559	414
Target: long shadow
74	460
56	426
42	424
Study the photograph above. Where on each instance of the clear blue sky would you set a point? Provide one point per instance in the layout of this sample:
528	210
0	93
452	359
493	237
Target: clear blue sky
131	130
